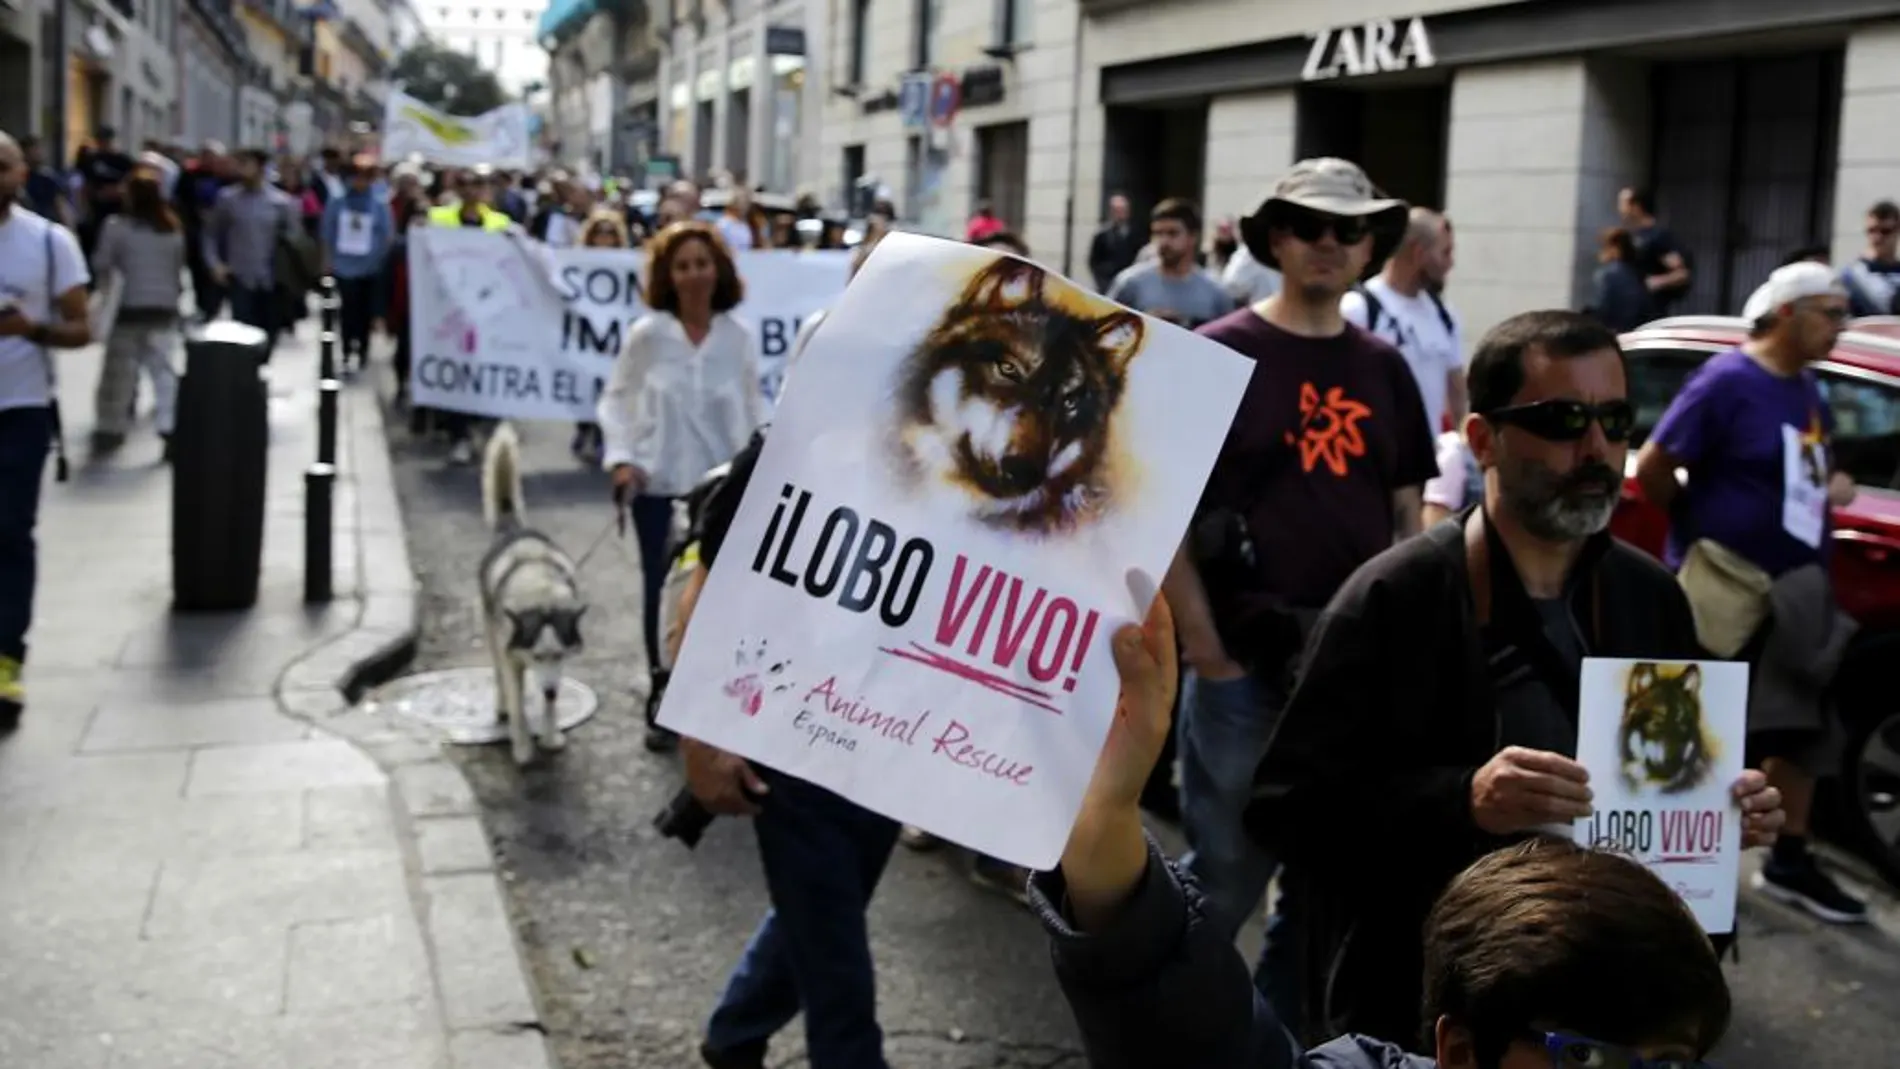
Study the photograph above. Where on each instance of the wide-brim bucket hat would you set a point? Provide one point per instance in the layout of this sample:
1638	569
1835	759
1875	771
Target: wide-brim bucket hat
1331	186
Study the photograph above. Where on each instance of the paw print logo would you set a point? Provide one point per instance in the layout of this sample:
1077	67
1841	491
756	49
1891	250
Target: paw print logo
756	675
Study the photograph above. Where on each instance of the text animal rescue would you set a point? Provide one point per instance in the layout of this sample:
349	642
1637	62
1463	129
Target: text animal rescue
1378	47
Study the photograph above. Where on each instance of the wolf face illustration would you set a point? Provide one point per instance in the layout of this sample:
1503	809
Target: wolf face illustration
1662	739
1010	399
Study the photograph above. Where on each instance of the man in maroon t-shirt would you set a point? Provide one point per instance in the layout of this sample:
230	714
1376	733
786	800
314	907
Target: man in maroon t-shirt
1322	469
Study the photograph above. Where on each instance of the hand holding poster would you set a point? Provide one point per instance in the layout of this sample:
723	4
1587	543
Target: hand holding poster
506	328
1663	741
915	600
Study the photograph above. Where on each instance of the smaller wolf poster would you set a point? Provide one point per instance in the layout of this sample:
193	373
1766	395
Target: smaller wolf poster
1663	743
914	603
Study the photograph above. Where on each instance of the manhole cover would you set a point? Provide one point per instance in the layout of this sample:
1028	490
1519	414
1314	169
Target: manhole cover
461	702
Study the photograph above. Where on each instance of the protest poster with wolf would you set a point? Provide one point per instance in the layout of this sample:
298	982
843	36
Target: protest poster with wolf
914	603
1663	742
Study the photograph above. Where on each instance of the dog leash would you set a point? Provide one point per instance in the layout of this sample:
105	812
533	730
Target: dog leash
613	523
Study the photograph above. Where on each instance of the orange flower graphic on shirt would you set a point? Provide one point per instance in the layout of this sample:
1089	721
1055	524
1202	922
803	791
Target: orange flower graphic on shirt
1329	429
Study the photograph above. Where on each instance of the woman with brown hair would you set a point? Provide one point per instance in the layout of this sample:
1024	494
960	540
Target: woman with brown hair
145	247
684	397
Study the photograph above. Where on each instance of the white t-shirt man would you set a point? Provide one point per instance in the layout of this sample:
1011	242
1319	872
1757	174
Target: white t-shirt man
1417	329
26	243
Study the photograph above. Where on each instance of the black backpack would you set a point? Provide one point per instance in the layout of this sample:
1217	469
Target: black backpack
1374	309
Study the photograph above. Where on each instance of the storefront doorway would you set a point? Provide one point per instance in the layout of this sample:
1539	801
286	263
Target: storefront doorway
1002	171
1154	152
1743	165
1398	133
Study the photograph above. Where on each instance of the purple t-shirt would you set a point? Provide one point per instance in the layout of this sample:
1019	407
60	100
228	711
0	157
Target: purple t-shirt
1730	427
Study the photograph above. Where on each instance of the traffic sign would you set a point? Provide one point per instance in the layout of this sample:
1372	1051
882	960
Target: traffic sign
945	95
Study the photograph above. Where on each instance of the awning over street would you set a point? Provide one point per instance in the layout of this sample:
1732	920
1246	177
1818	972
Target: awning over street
565	16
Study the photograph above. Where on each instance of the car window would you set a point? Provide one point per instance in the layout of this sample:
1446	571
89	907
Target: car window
1656	377
1866	428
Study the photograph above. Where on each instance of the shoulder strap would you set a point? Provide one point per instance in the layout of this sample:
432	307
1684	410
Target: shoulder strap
1478	565
1373	308
1444	314
60	469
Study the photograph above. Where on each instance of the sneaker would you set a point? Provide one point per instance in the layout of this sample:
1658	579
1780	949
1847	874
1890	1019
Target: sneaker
1011	881
1805	886
462	452
745	1058
660	740
12	694
918	839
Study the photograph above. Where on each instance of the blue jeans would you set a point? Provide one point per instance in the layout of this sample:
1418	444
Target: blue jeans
257	308
652	525
1224	731
823	857
26	437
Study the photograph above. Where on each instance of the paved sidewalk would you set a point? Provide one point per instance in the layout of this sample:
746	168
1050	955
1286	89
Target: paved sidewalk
197	867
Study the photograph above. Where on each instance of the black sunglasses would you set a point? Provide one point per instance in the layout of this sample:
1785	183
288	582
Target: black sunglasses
529	623
1559	420
1311	226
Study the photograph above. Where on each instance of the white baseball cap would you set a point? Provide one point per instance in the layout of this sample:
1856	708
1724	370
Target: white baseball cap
1789	284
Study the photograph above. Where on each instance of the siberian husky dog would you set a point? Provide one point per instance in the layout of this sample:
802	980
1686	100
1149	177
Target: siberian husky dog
531	603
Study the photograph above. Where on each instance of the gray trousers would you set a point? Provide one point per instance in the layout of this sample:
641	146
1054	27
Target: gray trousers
129	348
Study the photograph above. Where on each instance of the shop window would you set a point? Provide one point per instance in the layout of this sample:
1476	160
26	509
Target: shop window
860	40
1015	20
913	175
1002	171
1152	153
924	48
853	171
1743	166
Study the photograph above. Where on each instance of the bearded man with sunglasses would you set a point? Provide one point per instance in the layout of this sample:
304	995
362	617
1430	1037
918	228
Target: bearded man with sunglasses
1323	468
1435	718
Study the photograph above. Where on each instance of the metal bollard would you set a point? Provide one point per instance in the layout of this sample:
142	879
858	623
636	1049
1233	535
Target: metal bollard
326	421
327	304
319	480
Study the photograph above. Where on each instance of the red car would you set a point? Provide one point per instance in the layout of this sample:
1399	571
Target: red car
1861	380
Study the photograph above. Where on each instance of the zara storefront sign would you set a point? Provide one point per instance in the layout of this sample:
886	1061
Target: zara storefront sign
1377	47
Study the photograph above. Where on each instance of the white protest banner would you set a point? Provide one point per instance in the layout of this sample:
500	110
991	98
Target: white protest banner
503	327
499	138
1663	743
915	602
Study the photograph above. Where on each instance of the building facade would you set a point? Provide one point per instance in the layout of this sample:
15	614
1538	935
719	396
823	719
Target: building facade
603	65
24	107
146	71
98	63
213	61
279	38
945	103
738	89
405	26
500	34
1758	127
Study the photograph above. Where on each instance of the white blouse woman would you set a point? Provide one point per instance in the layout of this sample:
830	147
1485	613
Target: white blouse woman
683	399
